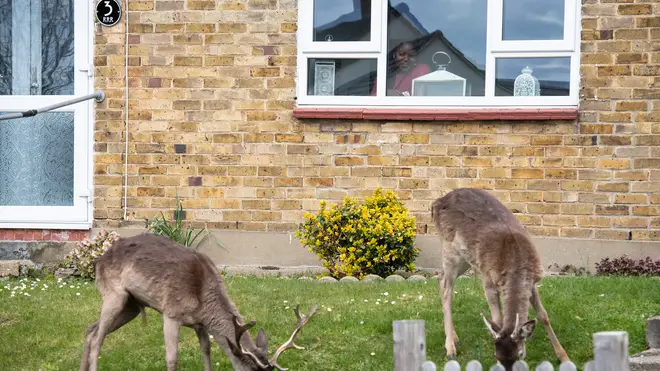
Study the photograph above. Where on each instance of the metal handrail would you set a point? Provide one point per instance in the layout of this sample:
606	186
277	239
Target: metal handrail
99	95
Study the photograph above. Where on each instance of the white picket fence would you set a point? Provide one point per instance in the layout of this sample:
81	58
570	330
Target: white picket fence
610	352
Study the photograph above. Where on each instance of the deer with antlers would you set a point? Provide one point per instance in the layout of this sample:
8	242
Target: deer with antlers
186	288
478	231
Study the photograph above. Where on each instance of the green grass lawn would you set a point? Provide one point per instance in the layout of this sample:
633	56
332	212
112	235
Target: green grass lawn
351	331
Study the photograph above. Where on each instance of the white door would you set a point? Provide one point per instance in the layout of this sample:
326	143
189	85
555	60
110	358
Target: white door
45	160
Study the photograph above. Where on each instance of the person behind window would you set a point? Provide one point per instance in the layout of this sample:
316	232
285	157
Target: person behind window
405	69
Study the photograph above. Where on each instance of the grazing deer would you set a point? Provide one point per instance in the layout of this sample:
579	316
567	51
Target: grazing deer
480	232
185	286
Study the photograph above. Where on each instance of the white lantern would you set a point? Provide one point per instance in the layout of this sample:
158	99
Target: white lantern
526	84
440	83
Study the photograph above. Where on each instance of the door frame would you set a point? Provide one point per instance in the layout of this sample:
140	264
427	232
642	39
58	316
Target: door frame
80	215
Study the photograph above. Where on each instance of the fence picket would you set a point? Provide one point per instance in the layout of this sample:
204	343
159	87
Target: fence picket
520	366
430	366
545	366
474	366
611	351
590	366
567	366
409	344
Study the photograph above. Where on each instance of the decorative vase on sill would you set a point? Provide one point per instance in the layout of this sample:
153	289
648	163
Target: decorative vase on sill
324	78
526	84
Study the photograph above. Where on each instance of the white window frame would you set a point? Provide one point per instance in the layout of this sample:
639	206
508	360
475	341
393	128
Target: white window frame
306	39
496	48
541	46
80	214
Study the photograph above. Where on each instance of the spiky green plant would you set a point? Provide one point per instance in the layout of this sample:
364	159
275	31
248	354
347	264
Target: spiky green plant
175	231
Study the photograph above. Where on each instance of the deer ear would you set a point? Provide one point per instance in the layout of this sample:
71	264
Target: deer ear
492	328
262	340
526	330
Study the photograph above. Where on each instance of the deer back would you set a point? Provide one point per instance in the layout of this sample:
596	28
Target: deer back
487	234
166	276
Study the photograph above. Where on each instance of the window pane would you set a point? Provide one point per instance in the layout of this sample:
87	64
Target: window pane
451	32
535	76
342	20
341	77
5	47
57	47
36	47
533	20
36	160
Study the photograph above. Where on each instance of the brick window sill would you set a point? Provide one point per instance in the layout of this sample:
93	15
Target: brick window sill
391	114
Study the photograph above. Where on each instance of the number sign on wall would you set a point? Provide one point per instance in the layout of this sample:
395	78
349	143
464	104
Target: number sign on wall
108	12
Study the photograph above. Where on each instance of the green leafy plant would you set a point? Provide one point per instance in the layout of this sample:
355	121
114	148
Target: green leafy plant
353	239
175	231
83	256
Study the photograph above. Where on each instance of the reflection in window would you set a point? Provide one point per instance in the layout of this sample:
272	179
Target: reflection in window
43	64
5	47
533	20
451	32
342	20
533	76
341	76
57	44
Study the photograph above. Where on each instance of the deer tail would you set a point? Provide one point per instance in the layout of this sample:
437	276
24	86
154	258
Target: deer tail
435	209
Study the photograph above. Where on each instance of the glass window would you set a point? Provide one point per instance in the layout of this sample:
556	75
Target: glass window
439	46
341	77
441	53
342	20
5	47
533	20
36	47
36	160
533	76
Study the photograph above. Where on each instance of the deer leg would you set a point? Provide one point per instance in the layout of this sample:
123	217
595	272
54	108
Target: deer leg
453	267
171	329
114	313
90	333
130	311
493	299
447	291
542	316
204	346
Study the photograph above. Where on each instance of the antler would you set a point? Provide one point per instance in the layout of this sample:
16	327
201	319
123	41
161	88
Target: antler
515	328
239	331
302	321
490	327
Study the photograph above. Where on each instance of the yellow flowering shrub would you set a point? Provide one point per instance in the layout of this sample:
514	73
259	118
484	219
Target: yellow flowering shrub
353	239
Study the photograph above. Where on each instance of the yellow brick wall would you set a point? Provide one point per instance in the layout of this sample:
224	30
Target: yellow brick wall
218	78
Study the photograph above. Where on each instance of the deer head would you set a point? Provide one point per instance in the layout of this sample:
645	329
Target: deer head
510	347
258	356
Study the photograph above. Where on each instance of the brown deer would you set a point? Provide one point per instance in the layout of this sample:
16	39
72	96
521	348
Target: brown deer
186	287
478	231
